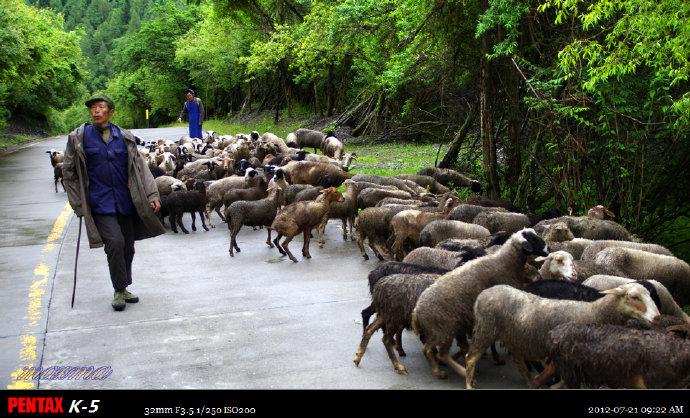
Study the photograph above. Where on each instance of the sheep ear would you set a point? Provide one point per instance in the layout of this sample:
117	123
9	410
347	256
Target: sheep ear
540	259
614	291
527	246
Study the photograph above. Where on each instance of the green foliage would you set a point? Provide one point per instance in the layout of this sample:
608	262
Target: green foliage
41	67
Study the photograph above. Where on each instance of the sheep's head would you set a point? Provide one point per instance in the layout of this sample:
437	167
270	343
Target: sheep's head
531	243
332	195
599	212
557	265
559	232
635	302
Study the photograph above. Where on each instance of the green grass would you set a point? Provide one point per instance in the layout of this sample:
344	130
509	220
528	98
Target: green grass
389	159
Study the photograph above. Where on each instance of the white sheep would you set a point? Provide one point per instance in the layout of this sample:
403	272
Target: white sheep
520	320
442	229
444	311
668	304
671	271
594	247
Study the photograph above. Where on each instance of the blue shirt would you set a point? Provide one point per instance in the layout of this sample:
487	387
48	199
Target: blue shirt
106	166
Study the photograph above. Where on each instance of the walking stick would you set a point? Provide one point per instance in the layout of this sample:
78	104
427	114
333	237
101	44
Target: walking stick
76	259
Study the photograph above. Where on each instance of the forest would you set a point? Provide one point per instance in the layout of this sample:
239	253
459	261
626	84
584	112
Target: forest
565	103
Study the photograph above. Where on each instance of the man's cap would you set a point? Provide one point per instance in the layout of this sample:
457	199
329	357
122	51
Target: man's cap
100	97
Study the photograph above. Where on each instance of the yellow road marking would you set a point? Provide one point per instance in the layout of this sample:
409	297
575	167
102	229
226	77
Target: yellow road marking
27	354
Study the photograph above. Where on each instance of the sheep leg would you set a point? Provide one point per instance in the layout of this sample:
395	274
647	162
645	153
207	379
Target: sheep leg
388	343
203	223
276	241
344	221
320	230
208	216
305	245
445	357
268	239
378	323
287	250
543	377
193	220
398	341
366	314
180	224
233	242
360	241
429	351
471	359
173	221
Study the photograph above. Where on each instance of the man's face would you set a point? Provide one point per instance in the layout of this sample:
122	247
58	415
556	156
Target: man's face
100	113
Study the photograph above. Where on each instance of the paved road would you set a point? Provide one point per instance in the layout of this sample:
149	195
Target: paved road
205	320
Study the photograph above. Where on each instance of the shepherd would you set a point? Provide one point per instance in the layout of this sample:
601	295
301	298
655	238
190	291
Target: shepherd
193	110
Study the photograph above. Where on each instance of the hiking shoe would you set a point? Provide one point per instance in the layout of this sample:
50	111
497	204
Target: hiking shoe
119	300
129	297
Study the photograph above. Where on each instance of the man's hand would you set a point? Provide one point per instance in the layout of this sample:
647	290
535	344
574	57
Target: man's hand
156	206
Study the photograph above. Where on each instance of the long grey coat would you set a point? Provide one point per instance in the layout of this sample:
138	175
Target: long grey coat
142	187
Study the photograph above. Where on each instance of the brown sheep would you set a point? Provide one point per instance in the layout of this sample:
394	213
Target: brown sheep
302	217
312	172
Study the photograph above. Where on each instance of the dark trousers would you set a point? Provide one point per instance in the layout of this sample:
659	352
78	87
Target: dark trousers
117	232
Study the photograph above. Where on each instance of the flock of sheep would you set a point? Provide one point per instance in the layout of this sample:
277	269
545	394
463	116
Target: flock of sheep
578	299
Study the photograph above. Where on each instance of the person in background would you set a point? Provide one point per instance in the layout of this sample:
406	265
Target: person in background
109	184
193	111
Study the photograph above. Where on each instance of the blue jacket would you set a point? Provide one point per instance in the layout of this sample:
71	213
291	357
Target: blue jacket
107	169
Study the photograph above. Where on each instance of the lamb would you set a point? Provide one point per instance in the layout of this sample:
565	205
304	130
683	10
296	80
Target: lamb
346	211
670	271
187	201
591	250
215	190
444	311
667	305
166	184
56	157
428	182
451	178
557	265
302	217
394	297
332	147
521	320
595	354
254	213
409	224
167	162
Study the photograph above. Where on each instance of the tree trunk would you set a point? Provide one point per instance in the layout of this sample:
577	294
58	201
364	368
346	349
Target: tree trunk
452	155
